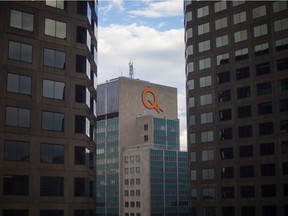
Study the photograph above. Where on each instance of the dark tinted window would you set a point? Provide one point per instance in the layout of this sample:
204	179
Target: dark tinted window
16	185
244	111
246	151
265	108
51	186
246	171
16	150
52	121
51	153
19	84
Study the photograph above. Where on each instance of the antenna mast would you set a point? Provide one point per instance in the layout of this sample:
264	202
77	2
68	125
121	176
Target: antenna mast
131	69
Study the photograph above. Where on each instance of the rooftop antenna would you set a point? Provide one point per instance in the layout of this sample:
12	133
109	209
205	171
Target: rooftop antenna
131	69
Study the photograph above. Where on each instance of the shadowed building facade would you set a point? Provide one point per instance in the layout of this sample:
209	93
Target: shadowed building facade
140	170
48	73
237	107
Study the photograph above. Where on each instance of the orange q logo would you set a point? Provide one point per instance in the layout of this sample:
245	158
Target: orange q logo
148	103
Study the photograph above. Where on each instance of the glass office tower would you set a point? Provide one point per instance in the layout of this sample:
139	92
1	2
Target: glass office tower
237	106
48	73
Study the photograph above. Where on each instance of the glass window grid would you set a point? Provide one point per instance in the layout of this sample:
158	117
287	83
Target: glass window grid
18	84
21	20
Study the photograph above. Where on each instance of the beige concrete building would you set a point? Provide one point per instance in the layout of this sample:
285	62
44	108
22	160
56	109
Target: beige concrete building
136	119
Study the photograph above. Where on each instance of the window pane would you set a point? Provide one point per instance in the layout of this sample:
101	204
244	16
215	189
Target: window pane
49	56
26	53
13	83
60	60
24	118
14	50
27	22
47	120
59	90
25	85
15	19
58	122
50	27
12	116
60	30
48	88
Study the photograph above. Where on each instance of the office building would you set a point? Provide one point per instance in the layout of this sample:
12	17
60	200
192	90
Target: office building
48	76
237	107
140	170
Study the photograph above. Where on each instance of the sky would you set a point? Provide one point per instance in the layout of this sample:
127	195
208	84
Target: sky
150	34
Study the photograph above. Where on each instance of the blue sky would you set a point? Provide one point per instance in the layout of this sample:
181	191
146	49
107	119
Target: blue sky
151	34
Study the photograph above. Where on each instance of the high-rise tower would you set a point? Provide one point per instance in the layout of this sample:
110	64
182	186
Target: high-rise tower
48	76
237	107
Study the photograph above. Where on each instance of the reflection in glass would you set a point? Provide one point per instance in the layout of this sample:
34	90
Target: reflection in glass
27	22
50	27
48	88
15	19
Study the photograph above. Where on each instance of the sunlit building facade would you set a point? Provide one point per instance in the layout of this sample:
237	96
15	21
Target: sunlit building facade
237	107
48	73
140	170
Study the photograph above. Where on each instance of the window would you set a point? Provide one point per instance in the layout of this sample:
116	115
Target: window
239	17
204	63
221	23
224	96
53	89
246	151
189	16
189	51
204	46
52	121
245	131
55	28
282	44
242	73
279	6
265	108
206	118
131	181
15	212
190	67
192	120
190	84
243	92
18	84
226	153
267	149
146	138
208	174
264	88
227	172
283	105
51	153
266	128
16	150
82	155
83	65
53	212
261	49
191	102
193	194
268	190
219	6
138	170
248	210
204	11
247	191
192	138
204	28
54	58
284	126
80	187
263	68
51	186
83	36
223	77
260	30
240	36
283	85
189	32
228	211
145	127
225	134
259	11
21	20
16	185
193	157
207	136
18	117
82	8
126	204
208	211
268	170
20	51
241	54
225	114
236	3
205	99
82	124
227	192
193	175
223	59
60	4
207	155
246	171
268	210
205	81
285	168
244	111
280	25
282	64
208	193
222	41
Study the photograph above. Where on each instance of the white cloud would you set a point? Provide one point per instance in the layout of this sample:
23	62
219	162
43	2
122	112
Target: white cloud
165	8
158	58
